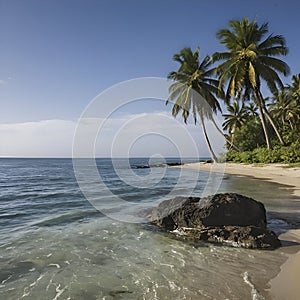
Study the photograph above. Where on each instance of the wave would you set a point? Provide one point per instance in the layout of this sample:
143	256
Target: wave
68	218
254	292
12	215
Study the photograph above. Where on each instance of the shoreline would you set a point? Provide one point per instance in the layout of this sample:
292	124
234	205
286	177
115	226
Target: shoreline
270	172
286	284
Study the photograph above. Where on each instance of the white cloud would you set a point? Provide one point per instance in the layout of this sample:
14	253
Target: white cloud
37	139
5	81
134	135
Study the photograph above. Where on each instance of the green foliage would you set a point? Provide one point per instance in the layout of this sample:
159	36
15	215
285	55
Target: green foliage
287	155
285	109
236	117
290	136
249	136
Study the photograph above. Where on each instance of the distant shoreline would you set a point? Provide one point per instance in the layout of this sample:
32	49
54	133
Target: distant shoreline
286	284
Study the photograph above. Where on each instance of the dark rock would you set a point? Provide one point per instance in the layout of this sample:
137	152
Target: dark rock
172	164
218	210
141	167
221	218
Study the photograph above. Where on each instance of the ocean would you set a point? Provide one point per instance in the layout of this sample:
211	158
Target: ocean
56	244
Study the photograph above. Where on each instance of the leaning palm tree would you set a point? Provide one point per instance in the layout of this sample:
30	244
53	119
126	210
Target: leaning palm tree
194	90
249	61
235	118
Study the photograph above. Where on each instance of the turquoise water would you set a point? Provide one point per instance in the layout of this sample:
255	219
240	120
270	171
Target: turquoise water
55	245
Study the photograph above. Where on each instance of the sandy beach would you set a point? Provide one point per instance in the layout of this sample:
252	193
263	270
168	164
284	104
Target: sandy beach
275	173
286	284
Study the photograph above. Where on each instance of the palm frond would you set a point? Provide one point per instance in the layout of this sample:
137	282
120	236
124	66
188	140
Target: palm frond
270	77
272	41
275	63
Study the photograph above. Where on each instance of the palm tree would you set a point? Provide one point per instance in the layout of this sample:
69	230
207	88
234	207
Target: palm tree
294	89
285	108
249	61
194	90
252	110
235	119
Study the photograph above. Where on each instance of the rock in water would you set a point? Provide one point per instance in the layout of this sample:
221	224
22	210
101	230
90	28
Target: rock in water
213	211
222	218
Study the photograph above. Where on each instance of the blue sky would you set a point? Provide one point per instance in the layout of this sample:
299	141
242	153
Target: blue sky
56	56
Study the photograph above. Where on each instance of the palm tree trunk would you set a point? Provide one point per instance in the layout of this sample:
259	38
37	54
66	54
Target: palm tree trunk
263	123
232	138
259	101
274	126
230	142
212	154
232	134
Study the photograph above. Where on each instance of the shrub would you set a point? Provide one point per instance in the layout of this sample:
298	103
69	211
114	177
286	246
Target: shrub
280	154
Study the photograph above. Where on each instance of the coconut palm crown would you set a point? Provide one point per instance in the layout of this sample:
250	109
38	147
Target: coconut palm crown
251	59
194	90
235	118
193	77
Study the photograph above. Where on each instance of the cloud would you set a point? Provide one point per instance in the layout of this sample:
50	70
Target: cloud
5	81
143	134
37	139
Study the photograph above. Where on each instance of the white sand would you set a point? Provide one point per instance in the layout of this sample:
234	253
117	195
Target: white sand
286	285
275	172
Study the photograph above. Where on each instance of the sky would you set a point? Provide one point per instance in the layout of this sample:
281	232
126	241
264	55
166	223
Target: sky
57	56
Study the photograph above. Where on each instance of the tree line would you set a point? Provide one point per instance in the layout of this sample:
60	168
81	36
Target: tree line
256	128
